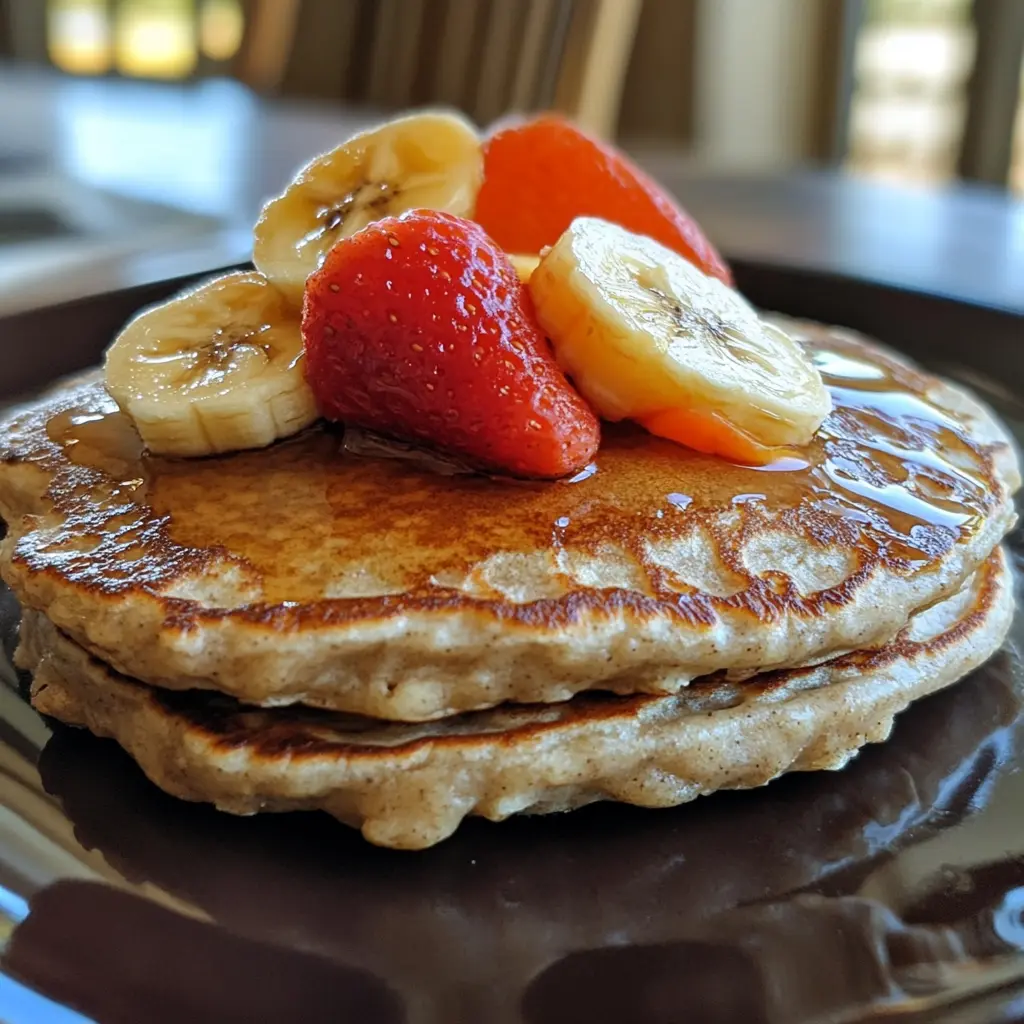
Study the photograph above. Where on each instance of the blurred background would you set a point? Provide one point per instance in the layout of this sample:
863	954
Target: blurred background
154	128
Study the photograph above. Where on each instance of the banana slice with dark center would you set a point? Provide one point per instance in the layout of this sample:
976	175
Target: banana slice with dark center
645	335
424	161
216	369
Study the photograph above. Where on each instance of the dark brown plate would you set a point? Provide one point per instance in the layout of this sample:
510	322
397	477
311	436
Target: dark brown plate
893	885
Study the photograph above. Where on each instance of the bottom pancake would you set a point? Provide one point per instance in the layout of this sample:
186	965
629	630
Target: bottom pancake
409	786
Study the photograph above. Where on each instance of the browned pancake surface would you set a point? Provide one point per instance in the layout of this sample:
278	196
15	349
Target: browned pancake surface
653	565
409	785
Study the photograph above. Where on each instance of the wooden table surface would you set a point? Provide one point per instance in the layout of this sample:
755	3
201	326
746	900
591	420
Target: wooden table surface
213	151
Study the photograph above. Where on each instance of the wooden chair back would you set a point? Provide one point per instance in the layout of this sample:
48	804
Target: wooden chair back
486	57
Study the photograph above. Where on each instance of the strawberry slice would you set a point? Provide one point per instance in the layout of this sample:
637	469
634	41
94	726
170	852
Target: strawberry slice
418	327
542	174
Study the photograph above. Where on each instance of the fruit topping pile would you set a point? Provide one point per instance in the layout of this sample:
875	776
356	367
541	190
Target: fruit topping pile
491	300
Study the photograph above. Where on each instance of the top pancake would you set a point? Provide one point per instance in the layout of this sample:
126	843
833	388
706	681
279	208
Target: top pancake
307	573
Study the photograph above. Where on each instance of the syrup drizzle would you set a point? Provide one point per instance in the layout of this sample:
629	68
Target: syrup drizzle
889	474
104	439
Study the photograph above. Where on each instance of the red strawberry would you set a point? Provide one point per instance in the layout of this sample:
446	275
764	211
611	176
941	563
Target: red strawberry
417	326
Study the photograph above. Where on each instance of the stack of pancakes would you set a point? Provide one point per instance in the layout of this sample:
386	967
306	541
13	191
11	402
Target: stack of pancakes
319	625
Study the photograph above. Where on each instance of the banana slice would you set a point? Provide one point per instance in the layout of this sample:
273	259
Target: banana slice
525	265
216	369
425	161
647	336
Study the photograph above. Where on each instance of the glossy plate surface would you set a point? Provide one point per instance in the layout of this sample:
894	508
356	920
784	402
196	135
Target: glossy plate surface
896	885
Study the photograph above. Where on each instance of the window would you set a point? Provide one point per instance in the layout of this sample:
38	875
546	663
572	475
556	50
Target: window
78	36
911	65
1017	166
142	38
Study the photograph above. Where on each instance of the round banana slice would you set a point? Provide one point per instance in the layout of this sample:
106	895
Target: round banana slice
423	161
647	336
213	370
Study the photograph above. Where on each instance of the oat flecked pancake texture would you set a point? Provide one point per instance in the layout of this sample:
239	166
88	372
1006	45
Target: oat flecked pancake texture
306	573
409	785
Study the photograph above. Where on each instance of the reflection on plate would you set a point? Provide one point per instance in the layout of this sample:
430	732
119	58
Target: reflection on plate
746	906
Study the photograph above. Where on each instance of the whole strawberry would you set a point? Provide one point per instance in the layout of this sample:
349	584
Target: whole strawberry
418	327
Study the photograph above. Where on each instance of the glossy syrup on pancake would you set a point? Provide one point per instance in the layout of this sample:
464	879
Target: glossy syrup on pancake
889	474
